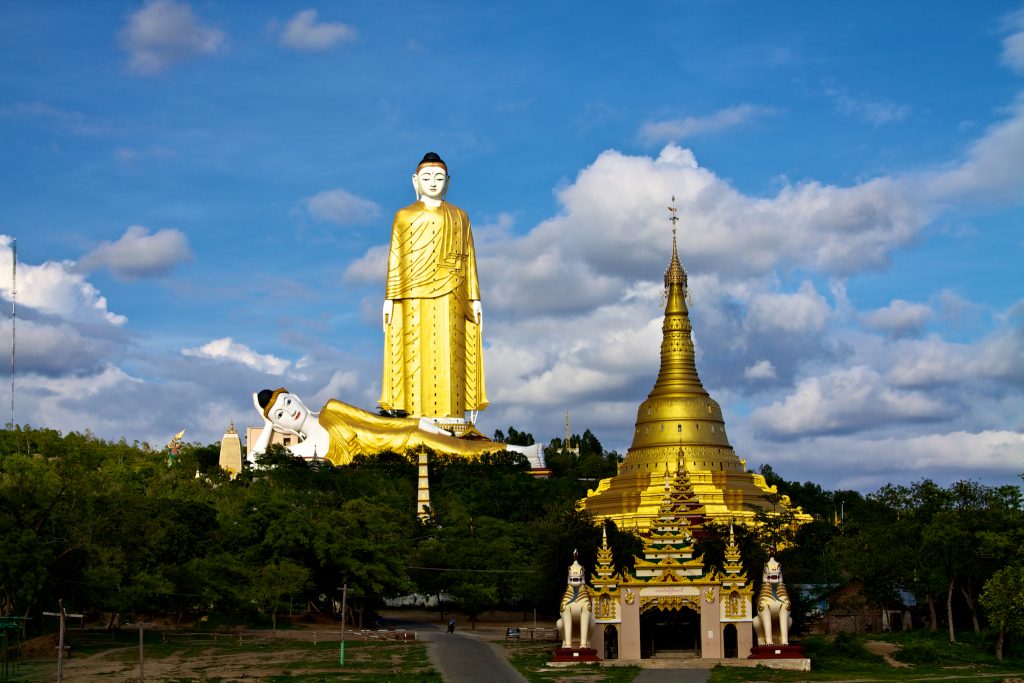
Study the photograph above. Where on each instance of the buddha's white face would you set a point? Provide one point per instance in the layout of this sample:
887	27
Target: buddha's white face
430	182
289	412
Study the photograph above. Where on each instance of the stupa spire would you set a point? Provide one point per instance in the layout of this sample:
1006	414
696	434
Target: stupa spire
679	431
675	273
678	373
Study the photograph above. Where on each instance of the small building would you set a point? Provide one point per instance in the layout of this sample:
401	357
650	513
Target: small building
252	435
850	610
669	604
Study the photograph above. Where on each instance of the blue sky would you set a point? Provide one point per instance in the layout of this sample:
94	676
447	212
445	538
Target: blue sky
201	195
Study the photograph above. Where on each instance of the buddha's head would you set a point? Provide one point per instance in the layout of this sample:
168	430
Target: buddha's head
285	410
431	177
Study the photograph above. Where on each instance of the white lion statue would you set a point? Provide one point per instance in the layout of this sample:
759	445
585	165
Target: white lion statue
577	606
773	607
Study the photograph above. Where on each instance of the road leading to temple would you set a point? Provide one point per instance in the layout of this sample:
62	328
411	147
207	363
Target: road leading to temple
463	657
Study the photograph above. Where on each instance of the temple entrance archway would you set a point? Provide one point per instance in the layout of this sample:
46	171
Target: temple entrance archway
730	642
611	642
669	631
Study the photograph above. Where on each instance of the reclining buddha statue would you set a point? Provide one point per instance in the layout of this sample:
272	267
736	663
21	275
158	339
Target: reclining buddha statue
340	431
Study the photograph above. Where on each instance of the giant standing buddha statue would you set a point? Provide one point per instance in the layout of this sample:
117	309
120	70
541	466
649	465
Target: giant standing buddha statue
680	425
433	350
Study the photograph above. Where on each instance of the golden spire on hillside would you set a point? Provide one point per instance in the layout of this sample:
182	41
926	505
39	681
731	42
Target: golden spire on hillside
679	426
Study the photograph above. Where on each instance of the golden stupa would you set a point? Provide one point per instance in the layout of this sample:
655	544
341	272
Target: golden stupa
680	423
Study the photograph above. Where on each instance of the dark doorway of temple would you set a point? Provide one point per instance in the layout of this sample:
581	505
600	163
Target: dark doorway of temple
730	645
611	642
669	632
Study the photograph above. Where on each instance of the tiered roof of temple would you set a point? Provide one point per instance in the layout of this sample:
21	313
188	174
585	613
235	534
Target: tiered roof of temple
668	560
669	544
680	426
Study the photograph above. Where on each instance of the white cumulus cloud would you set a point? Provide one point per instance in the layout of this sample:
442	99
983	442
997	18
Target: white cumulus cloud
55	287
762	369
230	350
138	254
899	318
867	463
370	267
305	32
165	32
341	206
843	401
801	311
1013	43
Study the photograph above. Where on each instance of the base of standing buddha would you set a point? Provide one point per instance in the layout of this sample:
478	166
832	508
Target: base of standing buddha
456	426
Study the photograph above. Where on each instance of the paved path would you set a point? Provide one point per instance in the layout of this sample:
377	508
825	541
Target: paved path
464	657
673	676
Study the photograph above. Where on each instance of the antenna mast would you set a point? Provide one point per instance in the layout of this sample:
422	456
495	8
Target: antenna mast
14	317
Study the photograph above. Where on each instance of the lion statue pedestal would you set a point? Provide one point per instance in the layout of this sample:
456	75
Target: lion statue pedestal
577	610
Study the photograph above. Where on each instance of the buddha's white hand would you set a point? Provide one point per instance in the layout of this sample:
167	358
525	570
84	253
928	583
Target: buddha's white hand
389	308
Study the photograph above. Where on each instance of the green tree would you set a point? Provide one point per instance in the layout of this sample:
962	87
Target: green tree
272	583
1002	598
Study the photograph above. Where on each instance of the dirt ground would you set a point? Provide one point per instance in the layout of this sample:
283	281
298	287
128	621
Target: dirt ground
297	652
880	647
307	648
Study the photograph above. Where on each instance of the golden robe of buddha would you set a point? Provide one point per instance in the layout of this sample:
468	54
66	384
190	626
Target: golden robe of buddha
340	431
354	431
433	350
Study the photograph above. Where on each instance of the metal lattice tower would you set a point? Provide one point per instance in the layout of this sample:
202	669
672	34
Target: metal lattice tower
14	318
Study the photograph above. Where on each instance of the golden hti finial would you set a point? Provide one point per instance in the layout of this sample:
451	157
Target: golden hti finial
675	273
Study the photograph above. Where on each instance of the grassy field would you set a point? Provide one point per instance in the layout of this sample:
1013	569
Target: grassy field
220	658
913	656
227	660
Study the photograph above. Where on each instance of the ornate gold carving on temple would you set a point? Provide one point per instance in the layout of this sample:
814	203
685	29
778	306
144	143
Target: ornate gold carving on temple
433	349
679	426
606	608
668	577
605	581
670	603
734	580
734	606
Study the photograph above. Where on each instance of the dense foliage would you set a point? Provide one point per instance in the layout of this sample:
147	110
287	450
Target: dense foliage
940	546
113	528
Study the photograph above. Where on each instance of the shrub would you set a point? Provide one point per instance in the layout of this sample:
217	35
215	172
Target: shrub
922	652
849	646
846	652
